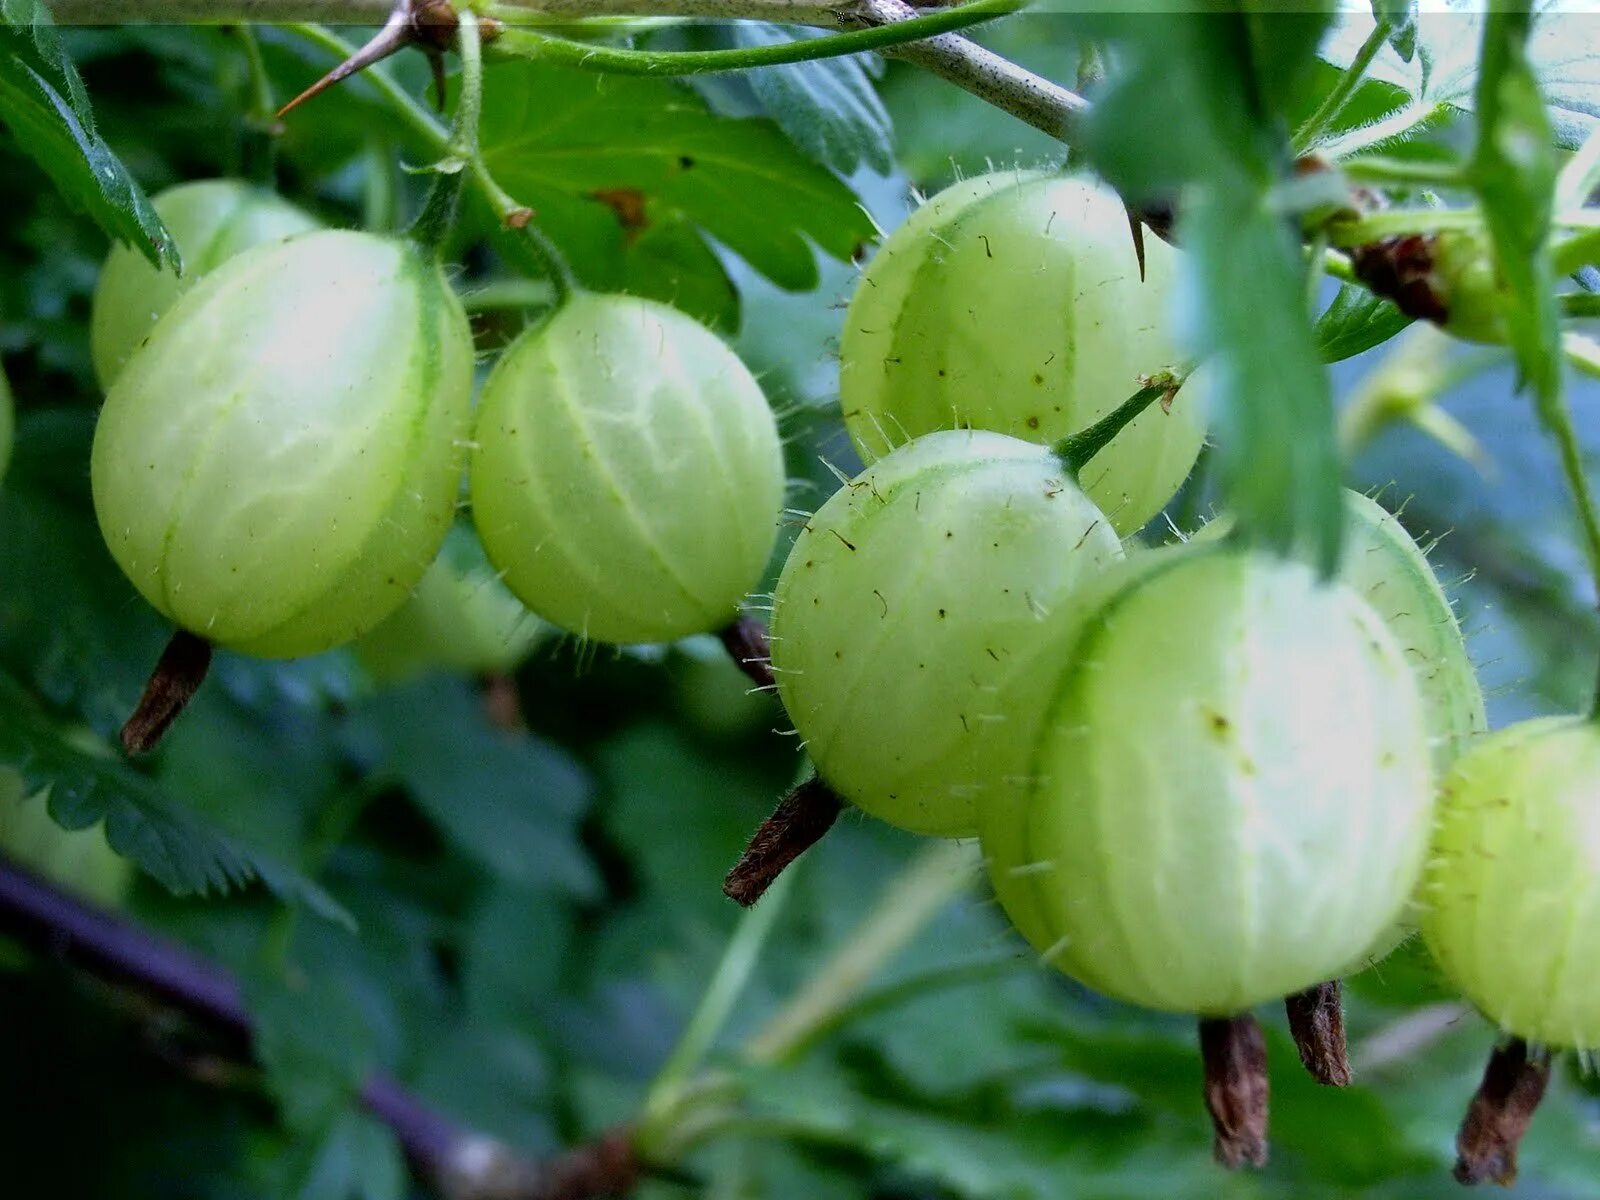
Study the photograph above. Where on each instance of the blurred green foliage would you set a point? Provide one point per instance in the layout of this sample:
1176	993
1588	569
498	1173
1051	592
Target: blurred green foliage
519	922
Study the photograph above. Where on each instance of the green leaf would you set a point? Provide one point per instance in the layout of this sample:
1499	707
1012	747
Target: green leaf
827	106
315	1043
356	1158
1513	170
1445	68
588	152
141	822
46	108
1354	322
1199	109
512	801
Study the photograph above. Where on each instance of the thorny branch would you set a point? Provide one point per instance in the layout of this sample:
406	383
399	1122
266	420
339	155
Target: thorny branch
460	1163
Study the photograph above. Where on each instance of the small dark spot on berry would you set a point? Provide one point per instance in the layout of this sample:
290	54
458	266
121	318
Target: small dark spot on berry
1038	377
941	612
1033	422
685	161
1220	723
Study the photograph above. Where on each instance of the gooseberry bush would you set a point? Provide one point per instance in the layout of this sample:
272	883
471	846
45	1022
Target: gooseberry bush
750	599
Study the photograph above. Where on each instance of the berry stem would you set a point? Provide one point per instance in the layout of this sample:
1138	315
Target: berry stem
1234	1051
797	824
1339	95
1077	449
179	673
1316	1020
1513	1084
587	56
438	215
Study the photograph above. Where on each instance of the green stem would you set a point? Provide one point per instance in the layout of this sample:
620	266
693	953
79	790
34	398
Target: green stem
1580	304
1557	417
1333	103
526	43
1077	449
1395	222
1578	250
438	215
427	129
1337	264
260	139
508	295
381	199
716	1005
1401	171
935	877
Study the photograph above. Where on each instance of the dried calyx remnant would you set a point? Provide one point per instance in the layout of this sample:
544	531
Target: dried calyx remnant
178	675
1402	269
1316	1019
1513	1084
1235	1055
797	824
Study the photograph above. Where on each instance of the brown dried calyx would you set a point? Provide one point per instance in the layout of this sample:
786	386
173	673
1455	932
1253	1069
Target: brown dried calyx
1234	1051
797	824
1316	1021
1513	1084
178	675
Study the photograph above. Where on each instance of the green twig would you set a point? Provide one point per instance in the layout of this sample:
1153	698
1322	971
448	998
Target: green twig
1557	417
935	877
526	43
1579	304
1395	222
438	215
1077	449
428	130
716	1004
1349	80
508	295
1404	172
261	126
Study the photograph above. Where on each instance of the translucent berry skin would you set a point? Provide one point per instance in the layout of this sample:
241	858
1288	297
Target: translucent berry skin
8	423
278	465
459	618
910	602
1383	565
628	474
210	221
1012	302
1511	899
1232	789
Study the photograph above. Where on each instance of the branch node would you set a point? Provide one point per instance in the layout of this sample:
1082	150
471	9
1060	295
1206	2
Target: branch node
1316	1019
1235	1055
1513	1084
797	824
179	673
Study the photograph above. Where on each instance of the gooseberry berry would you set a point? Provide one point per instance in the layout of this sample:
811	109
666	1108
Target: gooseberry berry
628	472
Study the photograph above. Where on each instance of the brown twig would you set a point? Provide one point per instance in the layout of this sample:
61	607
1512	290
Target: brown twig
1316	1020
179	673
460	1164
1513	1084
1235	1055
797	824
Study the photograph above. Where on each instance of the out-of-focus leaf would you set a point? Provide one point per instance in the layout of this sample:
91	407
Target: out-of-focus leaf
1355	321
313	1039
510	800
141	823
1402	18
828	106
45	106
354	1158
1190	114
1513	171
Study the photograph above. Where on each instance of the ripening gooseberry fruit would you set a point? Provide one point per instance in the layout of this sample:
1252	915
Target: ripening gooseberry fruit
1012	302
459	618
210	221
1511	897
279	464
911	603
1385	566
79	859
628	472
1232	790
